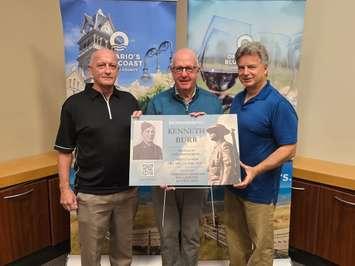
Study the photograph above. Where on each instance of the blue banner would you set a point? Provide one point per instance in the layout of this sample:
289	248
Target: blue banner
133	29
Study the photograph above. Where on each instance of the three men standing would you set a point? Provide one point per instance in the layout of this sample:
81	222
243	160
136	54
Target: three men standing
96	124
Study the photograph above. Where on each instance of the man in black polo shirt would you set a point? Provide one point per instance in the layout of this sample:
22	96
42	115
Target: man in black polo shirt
96	124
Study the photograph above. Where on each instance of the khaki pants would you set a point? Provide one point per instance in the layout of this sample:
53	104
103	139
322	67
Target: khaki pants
99	214
250	234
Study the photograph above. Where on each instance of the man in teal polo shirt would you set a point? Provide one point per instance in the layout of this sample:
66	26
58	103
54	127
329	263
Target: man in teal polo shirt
180	235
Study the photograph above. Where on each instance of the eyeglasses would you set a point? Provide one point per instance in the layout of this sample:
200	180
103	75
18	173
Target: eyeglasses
180	69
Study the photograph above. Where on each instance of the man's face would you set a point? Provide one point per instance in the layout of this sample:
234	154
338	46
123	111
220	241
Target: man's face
104	68
184	71
213	136
252	72
148	135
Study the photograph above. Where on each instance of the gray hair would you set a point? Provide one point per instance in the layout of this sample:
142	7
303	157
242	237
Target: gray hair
253	48
95	54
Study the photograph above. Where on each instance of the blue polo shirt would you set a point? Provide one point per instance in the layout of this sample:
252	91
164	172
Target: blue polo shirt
265	122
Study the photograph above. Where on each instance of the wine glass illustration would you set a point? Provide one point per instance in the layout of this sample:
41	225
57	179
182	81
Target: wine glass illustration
146	79
217	64
294	53
216	55
154	53
280	63
276	45
163	47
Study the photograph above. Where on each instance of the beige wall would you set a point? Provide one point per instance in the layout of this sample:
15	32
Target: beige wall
32	74
326	101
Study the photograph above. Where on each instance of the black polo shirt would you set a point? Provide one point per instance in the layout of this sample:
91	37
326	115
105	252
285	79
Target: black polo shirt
100	133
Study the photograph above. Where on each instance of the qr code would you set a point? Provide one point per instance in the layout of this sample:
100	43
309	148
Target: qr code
148	169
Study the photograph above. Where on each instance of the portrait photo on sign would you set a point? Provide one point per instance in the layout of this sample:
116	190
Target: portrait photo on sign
147	145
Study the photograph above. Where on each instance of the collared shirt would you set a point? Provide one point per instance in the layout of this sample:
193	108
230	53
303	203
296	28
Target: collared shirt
168	103
177	94
143	151
265	122
99	131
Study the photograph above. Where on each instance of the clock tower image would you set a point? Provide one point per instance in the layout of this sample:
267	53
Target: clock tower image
96	32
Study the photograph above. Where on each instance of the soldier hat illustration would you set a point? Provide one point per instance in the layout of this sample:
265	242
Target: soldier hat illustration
219	129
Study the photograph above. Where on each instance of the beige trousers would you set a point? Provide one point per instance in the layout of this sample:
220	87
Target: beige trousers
250	234
99	214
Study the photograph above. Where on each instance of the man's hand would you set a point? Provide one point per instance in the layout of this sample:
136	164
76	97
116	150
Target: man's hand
68	199
197	114
249	177
275	159
167	188
137	114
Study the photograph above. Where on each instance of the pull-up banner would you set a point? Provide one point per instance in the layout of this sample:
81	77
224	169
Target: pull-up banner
142	33
216	28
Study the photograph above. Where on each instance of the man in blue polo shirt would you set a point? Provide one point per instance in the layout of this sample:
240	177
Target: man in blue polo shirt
267	125
96	124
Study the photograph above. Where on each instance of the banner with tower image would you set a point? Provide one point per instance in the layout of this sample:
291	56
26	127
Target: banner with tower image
133	29
216	28
143	35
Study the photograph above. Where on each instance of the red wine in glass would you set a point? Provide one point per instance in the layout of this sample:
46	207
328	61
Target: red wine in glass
218	80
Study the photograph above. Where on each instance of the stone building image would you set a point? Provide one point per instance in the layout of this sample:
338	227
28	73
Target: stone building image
96	32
